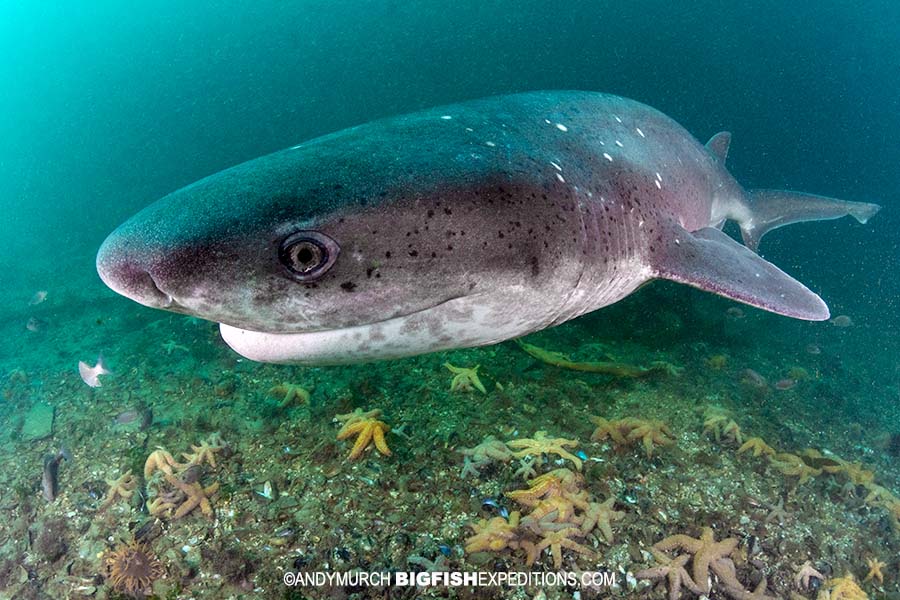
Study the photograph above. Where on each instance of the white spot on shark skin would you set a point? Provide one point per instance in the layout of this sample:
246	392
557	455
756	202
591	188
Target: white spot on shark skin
547	121
658	176
607	157
658	186
619	144
602	143
617	119
560	177
489	143
640	133
556	166
446	117
469	129
295	147
561	127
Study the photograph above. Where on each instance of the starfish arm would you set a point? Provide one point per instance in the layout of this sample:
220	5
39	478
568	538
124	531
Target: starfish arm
362	442
378	438
351	428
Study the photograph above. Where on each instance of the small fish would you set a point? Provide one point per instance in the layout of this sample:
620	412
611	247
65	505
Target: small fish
785	384
34	324
813	349
126	417
753	379
842	321
267	492
91	375
50	475
39	296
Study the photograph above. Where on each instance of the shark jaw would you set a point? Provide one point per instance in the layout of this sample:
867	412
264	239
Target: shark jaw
462	322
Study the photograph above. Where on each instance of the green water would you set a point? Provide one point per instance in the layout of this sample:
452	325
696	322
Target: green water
106	108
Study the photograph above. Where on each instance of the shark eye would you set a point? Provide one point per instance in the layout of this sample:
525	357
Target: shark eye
307	255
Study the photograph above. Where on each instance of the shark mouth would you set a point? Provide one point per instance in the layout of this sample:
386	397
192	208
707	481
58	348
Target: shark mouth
457	323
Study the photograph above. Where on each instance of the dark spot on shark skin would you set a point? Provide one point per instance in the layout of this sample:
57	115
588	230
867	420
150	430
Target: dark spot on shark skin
348	286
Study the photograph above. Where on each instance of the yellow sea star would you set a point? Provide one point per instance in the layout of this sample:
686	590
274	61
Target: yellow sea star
758	446
288	392
842	588
673	570
465	379
197	495
794	466
875	567
367	428
559	482
804	574
724	569
123	488
606	428
161	460
206	451
541	444
650	432
556	540
718	422
489	449
495	534
704	549
170	346
601	515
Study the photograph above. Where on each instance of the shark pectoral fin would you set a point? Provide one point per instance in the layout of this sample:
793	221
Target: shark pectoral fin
770	209
710	260
718	145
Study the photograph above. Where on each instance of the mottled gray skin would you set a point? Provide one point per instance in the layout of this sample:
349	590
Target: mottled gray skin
458	226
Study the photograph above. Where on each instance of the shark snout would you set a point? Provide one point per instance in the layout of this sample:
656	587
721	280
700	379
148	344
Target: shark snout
128	272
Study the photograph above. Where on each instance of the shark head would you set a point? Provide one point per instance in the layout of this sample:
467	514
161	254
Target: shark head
339	250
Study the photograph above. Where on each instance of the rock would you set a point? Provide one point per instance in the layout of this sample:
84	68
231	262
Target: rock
38	422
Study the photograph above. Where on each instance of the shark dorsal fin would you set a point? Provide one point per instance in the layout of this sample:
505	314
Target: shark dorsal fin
718	145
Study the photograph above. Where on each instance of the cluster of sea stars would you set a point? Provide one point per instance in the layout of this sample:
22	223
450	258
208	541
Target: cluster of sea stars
718	421
705	554
185	493
807	464
561	513
650	432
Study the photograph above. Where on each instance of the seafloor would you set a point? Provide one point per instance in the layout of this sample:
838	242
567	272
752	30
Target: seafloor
284	496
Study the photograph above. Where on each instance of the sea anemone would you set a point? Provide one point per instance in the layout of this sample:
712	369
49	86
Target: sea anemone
132	568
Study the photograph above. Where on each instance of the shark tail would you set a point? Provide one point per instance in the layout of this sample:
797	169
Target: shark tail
771	209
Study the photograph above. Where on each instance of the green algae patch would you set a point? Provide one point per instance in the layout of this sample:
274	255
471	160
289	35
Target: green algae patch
38	422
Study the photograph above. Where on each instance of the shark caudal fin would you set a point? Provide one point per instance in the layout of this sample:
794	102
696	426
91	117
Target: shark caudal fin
760	211
710	260
771	209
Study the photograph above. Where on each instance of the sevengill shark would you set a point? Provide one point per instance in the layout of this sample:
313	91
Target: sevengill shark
458	226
